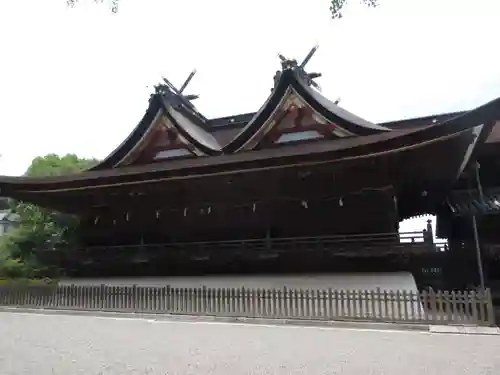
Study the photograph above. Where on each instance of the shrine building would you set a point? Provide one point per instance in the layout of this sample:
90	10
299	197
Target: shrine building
300	183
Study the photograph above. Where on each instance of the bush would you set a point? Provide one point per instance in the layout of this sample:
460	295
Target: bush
28	282
13	268
18	259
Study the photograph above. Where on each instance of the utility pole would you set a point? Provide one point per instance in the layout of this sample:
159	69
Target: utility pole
474	228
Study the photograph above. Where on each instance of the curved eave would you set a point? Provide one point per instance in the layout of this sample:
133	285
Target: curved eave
333	112
155	106
351	147
485	116
343	149
330	111
191	127
259	119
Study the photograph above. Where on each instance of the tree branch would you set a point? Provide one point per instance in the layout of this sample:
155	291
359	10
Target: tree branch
336	6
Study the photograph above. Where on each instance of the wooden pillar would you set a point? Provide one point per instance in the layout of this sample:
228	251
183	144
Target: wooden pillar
429	230
460	270
268	239
428	234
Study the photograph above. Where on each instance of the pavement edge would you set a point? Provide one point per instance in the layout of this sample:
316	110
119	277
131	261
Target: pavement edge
226	319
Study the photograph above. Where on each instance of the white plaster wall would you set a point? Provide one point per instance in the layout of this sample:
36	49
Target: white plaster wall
348	281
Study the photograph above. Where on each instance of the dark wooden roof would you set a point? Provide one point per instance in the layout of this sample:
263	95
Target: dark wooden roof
464	126
227	134
211	137
417	122
154	108
184	119
289	83
191	126
366	140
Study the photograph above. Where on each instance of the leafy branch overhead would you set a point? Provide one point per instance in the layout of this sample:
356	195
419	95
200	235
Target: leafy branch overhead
336	6
114	4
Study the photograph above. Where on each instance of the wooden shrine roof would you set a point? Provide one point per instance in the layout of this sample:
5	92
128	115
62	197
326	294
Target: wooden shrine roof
232	134
232	144
343	149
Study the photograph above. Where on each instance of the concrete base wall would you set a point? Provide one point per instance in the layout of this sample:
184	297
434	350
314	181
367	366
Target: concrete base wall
395	281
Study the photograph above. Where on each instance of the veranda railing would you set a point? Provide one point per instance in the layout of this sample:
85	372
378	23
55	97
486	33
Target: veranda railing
370	245
464	307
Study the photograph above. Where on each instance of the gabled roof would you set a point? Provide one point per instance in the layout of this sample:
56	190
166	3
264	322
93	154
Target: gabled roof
468	130
167	108
289	90
190	124
119	153
458	135
170	110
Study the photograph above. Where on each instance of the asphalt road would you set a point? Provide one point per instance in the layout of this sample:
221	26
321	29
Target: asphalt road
67	345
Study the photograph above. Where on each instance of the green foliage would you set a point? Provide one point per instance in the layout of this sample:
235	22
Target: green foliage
114	4
55	165
39	228
336	6
12	267
22	281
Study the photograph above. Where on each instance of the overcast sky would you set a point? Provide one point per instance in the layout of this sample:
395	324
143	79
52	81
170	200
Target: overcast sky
78	80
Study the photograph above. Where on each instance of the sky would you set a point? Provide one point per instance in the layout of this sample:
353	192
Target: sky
77	80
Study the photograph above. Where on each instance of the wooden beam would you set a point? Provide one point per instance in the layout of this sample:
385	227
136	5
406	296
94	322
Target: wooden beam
294	185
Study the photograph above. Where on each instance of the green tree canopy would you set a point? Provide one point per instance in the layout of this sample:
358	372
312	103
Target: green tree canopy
55	165
39	228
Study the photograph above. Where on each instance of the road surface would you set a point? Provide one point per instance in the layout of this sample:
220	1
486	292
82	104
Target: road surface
66	345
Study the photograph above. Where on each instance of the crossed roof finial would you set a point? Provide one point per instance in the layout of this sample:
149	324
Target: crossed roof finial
167	87
292	64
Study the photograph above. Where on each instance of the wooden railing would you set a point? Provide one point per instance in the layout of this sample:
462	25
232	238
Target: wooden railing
363	244
468	307
353	239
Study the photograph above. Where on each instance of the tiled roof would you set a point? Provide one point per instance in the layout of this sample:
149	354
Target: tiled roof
470	202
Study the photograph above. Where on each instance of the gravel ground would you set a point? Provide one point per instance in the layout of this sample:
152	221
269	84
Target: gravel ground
67	345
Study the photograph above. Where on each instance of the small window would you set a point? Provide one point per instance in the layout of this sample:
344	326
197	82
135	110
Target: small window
168	154
299	136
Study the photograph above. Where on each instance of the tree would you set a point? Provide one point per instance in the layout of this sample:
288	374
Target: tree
55	165
336	6
114	4
39	228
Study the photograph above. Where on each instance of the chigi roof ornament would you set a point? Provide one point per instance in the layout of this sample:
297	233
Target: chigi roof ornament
168	86
292	64
176	96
